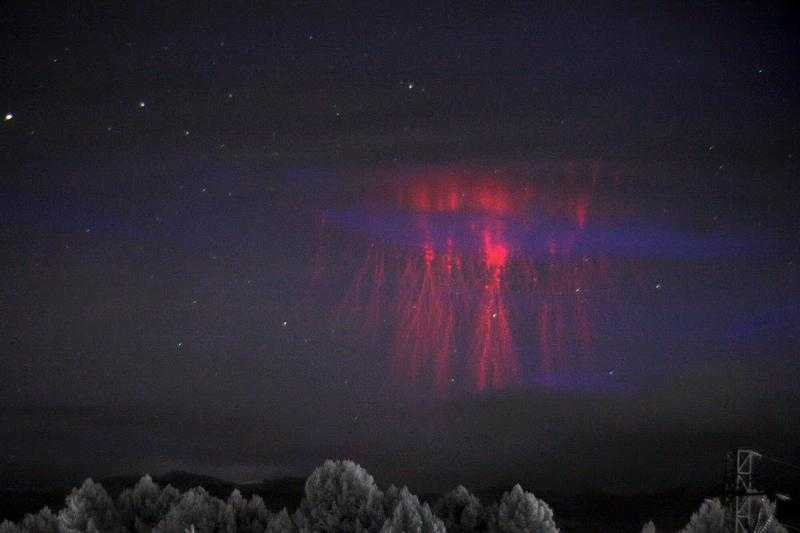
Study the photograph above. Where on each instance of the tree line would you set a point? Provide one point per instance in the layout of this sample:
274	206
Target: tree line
339	496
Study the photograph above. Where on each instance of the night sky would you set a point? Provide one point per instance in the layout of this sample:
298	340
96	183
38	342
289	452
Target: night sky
457	243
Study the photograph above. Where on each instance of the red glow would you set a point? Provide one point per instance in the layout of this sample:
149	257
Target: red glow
493	199
466	293
496	365
425	320
452	200
429	255
580	211
496	253
443	192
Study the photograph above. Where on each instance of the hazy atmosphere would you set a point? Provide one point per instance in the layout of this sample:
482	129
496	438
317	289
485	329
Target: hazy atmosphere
477	244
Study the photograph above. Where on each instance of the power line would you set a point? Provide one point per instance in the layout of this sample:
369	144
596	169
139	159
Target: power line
774	460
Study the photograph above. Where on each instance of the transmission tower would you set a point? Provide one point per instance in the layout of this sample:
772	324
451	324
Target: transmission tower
747	509
744	491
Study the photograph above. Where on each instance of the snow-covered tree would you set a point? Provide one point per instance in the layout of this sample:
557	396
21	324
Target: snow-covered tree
460	511
766	517
200	509
489	519
90	508
250	515
522	512
281	523
390	498
340	496
42	522
409	516
710	518
649	527
7	526
145	505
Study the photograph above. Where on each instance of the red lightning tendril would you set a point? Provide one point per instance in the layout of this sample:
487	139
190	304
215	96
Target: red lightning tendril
455	295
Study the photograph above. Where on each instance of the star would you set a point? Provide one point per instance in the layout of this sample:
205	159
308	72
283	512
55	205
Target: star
284	323
142	105
9	116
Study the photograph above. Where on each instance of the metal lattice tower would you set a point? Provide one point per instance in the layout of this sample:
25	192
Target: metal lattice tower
747	508
744	517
